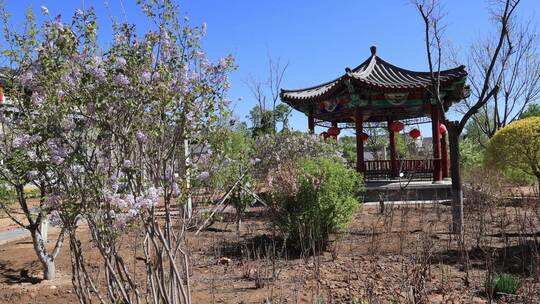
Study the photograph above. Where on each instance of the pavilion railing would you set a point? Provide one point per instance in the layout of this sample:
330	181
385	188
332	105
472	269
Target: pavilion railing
384	168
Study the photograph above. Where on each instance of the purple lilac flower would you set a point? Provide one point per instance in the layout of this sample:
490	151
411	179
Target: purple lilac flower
199	55
120	221
119	202
113	183
254	161
27	78
91	108
146	77
94	68
120	63
132	213
32	174
194	76
204	175
44	10
203	28
175	189
58	23
54	218
21	141
77	169
68	124
127	164
206	66
121	80
120	37
140	136
37	99
165	40
68	80
51	202
31	155
223	63
57	160
98	72
35	138
189	117
152	198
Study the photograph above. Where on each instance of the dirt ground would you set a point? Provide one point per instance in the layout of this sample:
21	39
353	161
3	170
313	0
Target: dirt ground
384	257
6	223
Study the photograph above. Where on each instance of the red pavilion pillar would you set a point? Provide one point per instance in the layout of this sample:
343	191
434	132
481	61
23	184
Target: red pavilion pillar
311	121
437	172
334	125
444	156
393	152
359	121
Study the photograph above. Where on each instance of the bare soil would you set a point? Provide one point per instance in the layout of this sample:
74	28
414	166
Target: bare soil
393	256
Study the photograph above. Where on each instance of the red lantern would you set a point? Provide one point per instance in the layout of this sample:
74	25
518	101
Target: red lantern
325	135
1	95
442	128
364	136
415	133
334	131
395	126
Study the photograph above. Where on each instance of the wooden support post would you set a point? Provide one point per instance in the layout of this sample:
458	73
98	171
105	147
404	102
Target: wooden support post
437	173
444	156
335	125
393	152
359	121
311	121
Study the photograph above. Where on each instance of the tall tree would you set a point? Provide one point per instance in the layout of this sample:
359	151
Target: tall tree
516	72
503	14
268	112
532	111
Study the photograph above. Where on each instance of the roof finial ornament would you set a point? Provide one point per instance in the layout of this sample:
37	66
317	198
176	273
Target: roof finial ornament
373	50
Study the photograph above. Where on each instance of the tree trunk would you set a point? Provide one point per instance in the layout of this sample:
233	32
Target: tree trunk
538	181
457	190
47	262
49	270
238	223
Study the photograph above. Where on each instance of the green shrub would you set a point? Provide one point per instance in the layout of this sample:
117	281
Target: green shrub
313	198
32	192
6	195
503	283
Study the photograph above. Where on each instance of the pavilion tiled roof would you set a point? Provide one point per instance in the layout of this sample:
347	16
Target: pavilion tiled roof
374	73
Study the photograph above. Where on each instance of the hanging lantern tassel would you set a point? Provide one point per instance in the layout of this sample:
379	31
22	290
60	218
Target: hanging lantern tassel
334	131
415	133
364	136
395	126
442	128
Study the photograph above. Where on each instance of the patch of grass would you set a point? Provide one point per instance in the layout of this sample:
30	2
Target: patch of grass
503	283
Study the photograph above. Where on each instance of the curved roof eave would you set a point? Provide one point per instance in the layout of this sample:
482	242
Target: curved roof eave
374	73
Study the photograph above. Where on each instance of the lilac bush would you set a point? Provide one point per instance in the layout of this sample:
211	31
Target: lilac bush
103	134
275	150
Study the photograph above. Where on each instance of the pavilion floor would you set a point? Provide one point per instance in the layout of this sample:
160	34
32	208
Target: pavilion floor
403	190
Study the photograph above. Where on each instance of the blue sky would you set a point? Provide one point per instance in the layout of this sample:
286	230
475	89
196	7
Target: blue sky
317	38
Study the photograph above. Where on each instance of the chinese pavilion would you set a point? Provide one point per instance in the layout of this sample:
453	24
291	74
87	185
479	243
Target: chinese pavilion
379	92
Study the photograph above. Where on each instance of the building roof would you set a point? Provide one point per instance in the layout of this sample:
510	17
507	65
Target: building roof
377	74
